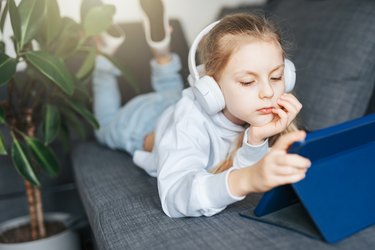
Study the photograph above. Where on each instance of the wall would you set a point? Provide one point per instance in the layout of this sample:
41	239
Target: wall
193	14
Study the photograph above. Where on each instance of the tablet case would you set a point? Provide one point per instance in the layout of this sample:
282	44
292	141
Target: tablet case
337	196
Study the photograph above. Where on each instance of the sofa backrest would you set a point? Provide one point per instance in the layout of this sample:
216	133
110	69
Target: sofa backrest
334	52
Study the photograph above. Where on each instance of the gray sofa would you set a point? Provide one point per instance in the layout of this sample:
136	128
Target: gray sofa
333	47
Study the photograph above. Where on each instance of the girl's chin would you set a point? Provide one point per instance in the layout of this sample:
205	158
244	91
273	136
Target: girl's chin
262	120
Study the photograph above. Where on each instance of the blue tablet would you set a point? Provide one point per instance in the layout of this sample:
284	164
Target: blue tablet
318	145
338	191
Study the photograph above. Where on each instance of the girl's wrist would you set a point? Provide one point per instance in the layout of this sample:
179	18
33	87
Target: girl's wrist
253	140
240	181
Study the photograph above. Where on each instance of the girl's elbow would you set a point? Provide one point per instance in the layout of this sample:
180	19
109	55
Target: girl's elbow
170	212
99	135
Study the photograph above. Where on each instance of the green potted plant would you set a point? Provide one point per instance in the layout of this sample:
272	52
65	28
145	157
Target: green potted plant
51	93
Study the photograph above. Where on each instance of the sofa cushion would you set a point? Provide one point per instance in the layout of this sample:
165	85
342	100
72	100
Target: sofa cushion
124	211
333	48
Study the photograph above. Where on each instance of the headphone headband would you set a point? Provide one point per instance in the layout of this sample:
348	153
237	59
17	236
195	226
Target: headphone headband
191	58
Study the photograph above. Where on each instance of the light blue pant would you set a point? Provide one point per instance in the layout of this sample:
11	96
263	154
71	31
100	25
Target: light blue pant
126	127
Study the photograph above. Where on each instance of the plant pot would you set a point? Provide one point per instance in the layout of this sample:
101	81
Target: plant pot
67	239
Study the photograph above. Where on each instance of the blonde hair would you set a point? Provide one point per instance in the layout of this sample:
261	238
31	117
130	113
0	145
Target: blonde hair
219	44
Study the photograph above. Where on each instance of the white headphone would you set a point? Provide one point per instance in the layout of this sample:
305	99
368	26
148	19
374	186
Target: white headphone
205	88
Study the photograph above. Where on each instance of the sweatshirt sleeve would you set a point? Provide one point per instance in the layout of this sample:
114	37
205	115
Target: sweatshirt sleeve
185	186
249	154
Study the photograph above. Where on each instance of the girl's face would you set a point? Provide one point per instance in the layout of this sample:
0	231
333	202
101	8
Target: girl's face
252	81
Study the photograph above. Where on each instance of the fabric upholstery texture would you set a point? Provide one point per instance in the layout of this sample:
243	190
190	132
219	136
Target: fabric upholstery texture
124	211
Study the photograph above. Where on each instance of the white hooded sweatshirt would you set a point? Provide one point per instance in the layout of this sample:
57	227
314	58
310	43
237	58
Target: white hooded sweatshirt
188	144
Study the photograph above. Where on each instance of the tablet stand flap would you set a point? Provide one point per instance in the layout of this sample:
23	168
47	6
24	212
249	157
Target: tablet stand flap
294	218
338	192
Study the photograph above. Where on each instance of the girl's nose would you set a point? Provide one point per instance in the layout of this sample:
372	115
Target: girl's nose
266	90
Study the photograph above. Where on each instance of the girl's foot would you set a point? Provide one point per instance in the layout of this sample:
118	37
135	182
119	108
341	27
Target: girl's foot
109	41
156	26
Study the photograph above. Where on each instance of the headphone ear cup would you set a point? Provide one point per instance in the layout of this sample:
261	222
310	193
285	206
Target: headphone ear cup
209	95
289	75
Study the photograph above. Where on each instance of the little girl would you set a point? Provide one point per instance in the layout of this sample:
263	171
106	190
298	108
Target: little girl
205	159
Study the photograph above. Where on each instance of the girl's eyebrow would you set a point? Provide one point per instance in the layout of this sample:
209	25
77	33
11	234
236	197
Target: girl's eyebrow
277	67
247	72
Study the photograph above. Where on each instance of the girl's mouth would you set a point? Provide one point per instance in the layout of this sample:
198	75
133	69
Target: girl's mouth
267	110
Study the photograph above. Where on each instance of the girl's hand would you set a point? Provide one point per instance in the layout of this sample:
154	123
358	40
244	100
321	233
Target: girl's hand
289	108
290	104
278	167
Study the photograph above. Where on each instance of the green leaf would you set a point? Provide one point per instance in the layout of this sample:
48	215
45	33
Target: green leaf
68	40
31	14
85	113
2	116
64	137
52	20
53	68
51	123
22	164
71	120
98	19
44	156
127	74
7	68
87	65
2	47
3	150
4	15
15	19
82	93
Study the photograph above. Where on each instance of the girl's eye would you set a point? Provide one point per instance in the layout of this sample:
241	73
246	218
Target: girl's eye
276	78
247	83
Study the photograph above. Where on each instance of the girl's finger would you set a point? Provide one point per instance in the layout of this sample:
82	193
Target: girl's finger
293	160
290	108
289	170
284	142
288	179
283	121
293	100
